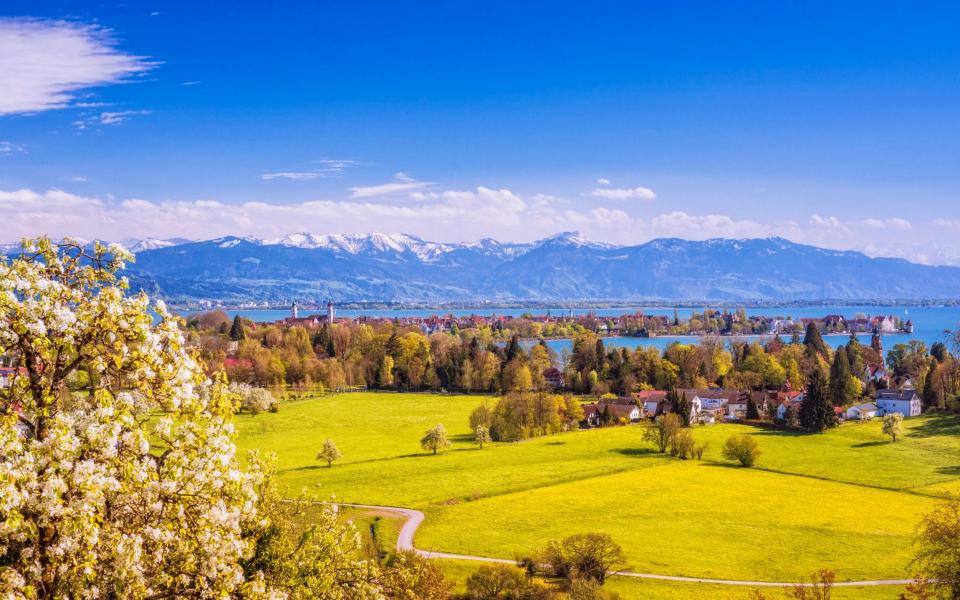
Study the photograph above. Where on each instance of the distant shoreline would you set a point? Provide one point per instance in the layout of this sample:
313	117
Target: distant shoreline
588	305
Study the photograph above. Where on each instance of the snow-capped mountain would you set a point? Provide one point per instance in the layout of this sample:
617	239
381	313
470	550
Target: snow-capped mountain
400	267
139	245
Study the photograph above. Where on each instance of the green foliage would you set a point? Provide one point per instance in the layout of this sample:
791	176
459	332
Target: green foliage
842	392
938	554
743	449
816	411
236	330
814	341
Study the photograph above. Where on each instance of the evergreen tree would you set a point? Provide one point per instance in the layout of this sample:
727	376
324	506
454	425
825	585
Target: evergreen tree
513	349
814	341
930	395
679	405
841	388
816	411
236	330
601	354
855	356
753	413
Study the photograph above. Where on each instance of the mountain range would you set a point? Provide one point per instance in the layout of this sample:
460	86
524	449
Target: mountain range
381	267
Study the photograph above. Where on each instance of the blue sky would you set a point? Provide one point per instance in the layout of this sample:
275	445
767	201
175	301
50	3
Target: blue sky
837	125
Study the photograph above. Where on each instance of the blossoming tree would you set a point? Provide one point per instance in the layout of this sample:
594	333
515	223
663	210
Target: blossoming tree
117	476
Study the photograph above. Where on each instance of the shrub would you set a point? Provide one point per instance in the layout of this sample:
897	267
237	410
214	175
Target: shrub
584	556
742	448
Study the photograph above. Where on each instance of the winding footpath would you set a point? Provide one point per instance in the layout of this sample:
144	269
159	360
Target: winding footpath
414	518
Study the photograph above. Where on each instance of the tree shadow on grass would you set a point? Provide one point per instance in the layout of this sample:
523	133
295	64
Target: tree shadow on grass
937	426
555	444
871	444
635	451
462	437
954	470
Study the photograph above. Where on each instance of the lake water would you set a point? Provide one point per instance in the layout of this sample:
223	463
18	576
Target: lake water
930	322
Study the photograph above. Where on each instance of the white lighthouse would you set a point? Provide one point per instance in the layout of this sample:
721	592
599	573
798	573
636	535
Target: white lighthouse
294	310
330	312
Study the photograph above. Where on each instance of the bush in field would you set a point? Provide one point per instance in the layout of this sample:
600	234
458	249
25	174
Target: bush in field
819	588
588	589
495	582
584	556
682	445
743	449
408	575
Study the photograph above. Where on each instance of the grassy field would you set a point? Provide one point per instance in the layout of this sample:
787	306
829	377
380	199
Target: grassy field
846	499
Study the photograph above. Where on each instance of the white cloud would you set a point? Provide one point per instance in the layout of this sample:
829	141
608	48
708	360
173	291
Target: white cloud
77	179
604	181
402	183
44	64
291	175
891	223
8	148
108	118
828	223
949	223
701	227
329	167
637	193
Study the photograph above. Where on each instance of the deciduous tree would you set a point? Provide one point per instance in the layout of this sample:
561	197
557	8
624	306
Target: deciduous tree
435	439
329	452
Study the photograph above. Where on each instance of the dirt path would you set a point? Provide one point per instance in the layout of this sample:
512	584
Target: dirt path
415	518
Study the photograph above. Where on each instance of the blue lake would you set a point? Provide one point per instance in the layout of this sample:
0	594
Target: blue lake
930	322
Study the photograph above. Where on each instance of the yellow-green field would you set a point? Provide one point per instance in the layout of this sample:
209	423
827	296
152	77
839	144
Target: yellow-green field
847	499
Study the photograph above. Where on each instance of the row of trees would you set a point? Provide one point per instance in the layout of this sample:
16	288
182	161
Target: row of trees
392	357
521	415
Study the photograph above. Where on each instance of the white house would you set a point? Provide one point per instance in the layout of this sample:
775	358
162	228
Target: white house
6	376
906	402
862	412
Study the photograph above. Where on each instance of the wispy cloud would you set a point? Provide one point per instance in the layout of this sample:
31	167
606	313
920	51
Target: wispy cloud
329	167
44	64
402	183
190	83
8	148
637	193
108	118
77	179
291	175
604	181
891	223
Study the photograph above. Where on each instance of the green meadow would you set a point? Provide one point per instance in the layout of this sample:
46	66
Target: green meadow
847	499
